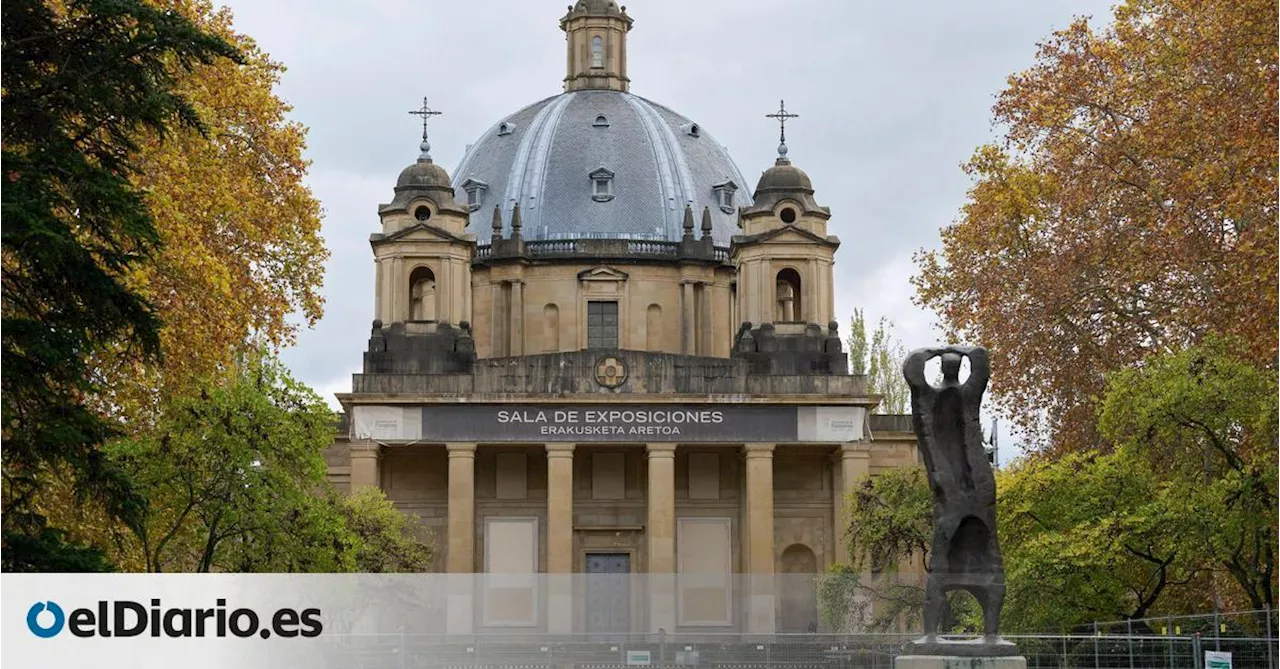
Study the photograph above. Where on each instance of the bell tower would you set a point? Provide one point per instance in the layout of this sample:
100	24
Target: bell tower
422	301
596	38
784	258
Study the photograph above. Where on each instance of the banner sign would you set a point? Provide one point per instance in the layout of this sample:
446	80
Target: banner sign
1217	659
632	423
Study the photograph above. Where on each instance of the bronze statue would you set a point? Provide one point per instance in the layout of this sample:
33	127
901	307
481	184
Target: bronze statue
965	554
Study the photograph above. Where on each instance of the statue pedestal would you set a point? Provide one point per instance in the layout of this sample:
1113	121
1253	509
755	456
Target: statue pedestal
958	662
943	653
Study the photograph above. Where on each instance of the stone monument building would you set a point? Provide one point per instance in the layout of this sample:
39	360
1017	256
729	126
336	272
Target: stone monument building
596	350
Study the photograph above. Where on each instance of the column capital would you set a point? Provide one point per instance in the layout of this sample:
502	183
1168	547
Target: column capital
365	449
463	450
661	450
559	450
758	450
855	449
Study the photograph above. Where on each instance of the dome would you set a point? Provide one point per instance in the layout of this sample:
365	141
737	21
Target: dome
784	176
423	174
600	164
596	7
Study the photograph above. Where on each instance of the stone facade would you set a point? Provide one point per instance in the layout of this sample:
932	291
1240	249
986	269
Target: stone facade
604	405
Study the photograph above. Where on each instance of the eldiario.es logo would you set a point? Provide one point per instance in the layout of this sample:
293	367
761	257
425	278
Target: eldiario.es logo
125	618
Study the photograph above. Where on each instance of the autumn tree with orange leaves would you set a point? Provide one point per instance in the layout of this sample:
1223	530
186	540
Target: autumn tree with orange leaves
240	231
1130	209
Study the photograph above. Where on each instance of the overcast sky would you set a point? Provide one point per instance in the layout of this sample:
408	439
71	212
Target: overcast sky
892	98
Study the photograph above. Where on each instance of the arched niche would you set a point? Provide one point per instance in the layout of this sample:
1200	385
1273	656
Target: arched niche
787	305
422	295
551	328
799	589
653	328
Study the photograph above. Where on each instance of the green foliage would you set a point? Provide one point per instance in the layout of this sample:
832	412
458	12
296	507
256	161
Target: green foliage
1092	537
857	343
880	359
385	539
884	370
231	476
49	550
891	520
237	482
1206	418
78	85
891	527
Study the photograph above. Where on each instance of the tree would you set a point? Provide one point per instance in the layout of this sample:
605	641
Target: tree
884	370
241	248
880	360
1091	536
1130	210
890	526
857	343
231	475
1206	417
79	85
386	540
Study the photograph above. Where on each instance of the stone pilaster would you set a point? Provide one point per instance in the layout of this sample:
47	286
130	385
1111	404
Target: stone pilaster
366	460
517	317
759	549
460	558
688	334
560	538
660	532
460	555
854	464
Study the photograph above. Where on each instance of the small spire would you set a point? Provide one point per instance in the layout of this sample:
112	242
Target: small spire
706	222
688	220
426	112
497	221
515	221
782	115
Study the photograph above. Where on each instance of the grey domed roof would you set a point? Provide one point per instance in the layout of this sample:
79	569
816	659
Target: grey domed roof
545	155
423	173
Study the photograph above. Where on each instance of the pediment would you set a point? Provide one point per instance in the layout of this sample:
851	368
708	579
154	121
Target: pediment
602	274
420	232
791	234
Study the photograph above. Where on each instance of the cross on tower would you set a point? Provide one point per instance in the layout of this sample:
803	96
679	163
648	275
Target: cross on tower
426	112
782	115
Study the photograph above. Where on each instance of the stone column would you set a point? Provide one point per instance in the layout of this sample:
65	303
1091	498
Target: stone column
460	555
688	337
517	317
854	464
560	538
760	561
660	535
366	471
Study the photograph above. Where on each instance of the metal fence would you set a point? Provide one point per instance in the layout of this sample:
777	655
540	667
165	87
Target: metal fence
781	651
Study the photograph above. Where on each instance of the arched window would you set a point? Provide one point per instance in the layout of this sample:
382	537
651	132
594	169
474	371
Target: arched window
788	297
597	52
422	295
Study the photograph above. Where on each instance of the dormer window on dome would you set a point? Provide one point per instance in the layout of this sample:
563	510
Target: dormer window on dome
724	195
600	122
602	185
475	192
506	128
691	129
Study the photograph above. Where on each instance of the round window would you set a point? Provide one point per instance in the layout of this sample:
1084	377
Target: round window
422	213
788	215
